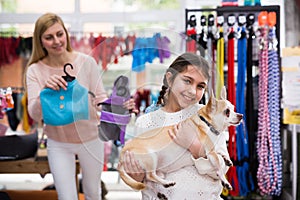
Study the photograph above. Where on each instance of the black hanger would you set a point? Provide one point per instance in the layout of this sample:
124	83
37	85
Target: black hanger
241	19
220	20
192	21
211	20
68	77
250	19
231	19
203	20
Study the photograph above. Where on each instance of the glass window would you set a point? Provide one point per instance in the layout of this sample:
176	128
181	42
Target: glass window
34	6
127	5
125	28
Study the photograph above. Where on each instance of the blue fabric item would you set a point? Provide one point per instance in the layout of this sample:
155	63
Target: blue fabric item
152	107
145	50
62	107
244	176
242	135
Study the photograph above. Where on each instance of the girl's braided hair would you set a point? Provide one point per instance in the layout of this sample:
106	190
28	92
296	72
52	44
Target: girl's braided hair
180	65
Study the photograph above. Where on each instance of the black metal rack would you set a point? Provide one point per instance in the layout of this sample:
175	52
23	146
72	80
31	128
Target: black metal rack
225	11
236	10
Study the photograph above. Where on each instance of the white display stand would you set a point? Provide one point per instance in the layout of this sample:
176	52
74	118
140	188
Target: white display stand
290	103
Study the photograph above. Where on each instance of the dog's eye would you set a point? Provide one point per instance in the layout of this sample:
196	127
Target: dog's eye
227	112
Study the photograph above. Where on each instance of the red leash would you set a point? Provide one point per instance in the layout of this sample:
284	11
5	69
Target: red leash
232	174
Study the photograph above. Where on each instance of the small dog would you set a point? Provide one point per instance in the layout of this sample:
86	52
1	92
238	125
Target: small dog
156	151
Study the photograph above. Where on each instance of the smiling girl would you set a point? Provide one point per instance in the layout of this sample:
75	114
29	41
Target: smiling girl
183	87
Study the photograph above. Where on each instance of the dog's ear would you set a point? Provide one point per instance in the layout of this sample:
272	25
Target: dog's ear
212	101
223	93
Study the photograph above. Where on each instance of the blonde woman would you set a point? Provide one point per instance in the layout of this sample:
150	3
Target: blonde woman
51	51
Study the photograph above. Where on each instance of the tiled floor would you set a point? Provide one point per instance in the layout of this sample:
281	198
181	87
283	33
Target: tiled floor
117	190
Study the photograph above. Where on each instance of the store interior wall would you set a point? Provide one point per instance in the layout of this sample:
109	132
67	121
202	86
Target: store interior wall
292	22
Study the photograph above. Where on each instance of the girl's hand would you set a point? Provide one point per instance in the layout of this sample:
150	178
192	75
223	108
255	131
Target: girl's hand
55	82
130	105
132	167
185	134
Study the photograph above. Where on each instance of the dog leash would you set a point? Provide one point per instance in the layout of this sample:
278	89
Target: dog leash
250	110
244	175
263	180
274	109
211	49
268	138
232	173
220	62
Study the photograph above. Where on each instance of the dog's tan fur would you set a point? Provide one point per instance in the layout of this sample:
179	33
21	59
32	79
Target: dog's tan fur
155	149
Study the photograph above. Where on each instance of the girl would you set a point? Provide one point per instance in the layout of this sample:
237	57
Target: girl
183	87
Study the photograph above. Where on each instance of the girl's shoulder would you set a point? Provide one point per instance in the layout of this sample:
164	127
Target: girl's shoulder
149	119
160	118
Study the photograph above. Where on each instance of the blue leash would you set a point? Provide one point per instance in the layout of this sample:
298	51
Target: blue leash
245	179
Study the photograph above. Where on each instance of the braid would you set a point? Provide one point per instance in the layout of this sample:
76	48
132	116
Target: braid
162	93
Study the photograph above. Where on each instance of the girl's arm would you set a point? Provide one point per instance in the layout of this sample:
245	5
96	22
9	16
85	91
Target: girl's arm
132	167
185	135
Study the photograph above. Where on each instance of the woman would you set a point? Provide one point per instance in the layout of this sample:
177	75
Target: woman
183	87
51	51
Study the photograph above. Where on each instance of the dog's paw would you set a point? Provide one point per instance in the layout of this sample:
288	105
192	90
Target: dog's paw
228	163
227	186
161	196
169	184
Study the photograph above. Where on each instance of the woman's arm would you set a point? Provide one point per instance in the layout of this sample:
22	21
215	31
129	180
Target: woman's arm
33	94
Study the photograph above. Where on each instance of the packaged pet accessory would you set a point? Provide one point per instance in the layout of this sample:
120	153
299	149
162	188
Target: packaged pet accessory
114	117
62	107
16	147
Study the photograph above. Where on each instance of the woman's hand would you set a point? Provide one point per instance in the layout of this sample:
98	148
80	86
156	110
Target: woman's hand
185	134
55	82
130	105
132	167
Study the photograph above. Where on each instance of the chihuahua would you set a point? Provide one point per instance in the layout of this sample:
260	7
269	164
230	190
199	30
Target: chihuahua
156	151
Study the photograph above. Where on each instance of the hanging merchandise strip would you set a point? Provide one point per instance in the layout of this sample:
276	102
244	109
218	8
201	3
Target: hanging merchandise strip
232	173
220	57
191	45
263	117
250	111
263	144
244	175
252	97
202	40
274	105
211	49
268	139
